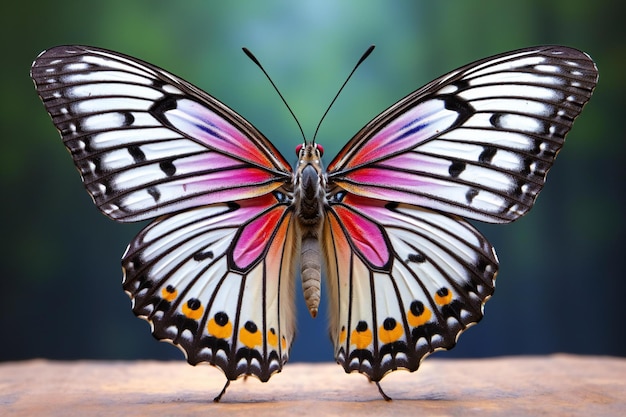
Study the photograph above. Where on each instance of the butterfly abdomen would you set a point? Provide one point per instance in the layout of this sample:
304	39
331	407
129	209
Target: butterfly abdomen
310	260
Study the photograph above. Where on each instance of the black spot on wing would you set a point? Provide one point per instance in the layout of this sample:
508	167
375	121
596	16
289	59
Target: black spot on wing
251	326
389	323
459	106
417	308
221	318
392	205
168	168
167	103
470	195
456	168
496	120
417	258
456	104
232	206
361	326
129	119
154	193
200	256
137	154
193	304
487	154
443	292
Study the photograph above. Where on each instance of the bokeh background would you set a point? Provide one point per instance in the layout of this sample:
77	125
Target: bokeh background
561	286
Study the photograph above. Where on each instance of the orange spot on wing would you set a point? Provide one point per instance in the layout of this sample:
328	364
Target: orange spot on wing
193	309
272	337
390	331
250	335
219	326
418	314
361	337
342	334
169	293
443	296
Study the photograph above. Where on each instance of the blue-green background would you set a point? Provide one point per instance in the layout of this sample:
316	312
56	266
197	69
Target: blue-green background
561	286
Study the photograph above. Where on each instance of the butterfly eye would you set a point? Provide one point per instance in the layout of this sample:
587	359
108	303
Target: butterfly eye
320	148
298	149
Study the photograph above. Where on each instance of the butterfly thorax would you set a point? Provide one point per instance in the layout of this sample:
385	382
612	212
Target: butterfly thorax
309	199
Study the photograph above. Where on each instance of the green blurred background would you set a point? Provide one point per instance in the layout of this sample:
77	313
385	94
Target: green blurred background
561	287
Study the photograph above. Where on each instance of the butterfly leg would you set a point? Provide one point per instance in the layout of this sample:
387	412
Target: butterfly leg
380	389
219	397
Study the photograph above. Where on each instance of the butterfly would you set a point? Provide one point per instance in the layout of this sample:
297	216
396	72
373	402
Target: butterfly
386	223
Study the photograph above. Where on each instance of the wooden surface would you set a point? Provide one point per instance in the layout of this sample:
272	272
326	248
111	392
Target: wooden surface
560	385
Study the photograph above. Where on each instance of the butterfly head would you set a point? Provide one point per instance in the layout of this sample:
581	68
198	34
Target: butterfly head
309	161
307	149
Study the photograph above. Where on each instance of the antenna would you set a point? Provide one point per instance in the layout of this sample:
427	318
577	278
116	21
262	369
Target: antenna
360	61
363	58
256	61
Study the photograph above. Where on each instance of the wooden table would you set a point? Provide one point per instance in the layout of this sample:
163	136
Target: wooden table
562	385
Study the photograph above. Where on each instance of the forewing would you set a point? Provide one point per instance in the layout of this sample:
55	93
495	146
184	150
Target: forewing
417	281
477	142
207	285
146	142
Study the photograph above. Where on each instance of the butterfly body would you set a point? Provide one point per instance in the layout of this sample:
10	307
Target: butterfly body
310	201
385	224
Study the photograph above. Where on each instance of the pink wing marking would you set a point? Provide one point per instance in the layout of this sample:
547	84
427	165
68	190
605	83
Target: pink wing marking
384	177
228	185
200	123
424	121
257	235
427	187
206	161
366	236
211	173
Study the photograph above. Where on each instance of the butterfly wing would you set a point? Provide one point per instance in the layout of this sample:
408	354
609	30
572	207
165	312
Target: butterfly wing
146	142
213	273
477	142
406	274
217	281
403	281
